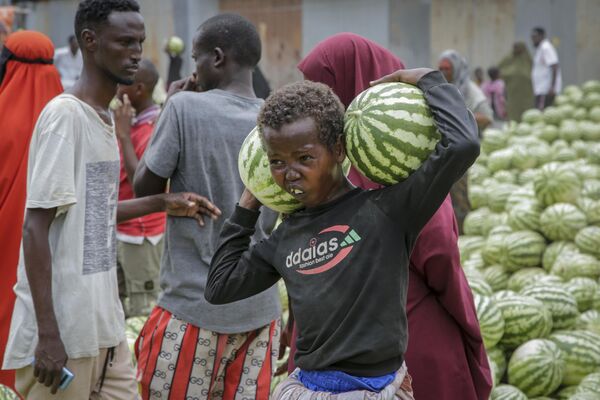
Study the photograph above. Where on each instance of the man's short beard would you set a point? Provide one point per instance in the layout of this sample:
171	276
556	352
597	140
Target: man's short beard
118	79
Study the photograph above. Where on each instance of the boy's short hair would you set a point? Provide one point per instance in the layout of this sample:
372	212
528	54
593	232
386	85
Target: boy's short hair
91	13
234	34
493	73
305	99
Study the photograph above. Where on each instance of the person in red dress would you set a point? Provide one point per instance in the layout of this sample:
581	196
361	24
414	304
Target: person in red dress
28	81
446	357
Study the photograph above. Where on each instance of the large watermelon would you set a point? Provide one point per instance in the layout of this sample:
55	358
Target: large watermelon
496	355
507	392
536	367
558	300
390	131
523	249
589	321
562	221
573	264
525	318
581	351
588	240
590	384
556	184
496	276
255	172
490	318
553	251
584	290
525	216
524	277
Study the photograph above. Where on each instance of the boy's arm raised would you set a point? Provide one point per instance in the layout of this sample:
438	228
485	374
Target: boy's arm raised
237	271
414	201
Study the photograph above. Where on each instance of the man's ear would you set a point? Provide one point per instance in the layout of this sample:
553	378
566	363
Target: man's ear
219	57
89	40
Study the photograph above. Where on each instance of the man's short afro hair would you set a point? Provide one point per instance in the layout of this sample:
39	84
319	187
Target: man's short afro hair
305	99
91	13
235	35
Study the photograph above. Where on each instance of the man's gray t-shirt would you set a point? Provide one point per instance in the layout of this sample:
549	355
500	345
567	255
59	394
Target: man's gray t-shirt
196	144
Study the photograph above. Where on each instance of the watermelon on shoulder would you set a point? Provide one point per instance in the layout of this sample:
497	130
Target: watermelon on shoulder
390	132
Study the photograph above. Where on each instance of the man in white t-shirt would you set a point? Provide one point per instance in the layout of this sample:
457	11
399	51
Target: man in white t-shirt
545	75
68	62
67	312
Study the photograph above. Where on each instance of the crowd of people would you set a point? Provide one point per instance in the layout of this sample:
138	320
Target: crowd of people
140	210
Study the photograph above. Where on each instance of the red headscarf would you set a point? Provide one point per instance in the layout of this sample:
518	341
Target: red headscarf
347	62
28	83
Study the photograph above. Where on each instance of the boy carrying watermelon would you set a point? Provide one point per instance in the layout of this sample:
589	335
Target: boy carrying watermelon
339	256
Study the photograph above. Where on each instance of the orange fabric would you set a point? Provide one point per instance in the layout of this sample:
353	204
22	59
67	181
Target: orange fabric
24	91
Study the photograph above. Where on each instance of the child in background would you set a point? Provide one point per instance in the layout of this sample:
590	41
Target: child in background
344	257
494	90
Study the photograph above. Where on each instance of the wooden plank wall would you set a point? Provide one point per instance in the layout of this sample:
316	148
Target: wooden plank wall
279	23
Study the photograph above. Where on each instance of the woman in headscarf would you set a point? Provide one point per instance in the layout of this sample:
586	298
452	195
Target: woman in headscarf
515	70
456	70
28	80
445	354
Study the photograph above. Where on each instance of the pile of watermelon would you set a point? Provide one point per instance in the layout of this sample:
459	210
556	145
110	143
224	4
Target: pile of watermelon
531	249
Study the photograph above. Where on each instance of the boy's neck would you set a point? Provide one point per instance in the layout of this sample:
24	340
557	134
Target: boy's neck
238	83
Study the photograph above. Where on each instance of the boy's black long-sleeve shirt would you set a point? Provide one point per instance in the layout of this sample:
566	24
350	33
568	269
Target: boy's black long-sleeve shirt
345	263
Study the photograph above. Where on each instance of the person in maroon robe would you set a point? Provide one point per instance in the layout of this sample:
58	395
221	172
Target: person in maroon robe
445	356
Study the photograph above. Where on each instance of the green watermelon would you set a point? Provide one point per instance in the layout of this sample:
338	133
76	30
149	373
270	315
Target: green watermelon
566	392
467	245
494	249
390	131
591	188
549	133
498	194
592	86
496	276
507	392
474	261
569	130
532	116
561	304
591	209
552	115
562	221
589	321
255	172
525	216
594	114
490	318
525	318
556	184
477	173
474	221
7	394
588	240
500	160
536	367
523	249
573	264
584	396
584	290
503	294
524	194
524	277
581	351
505	177
553	251
494	139
590	384
496	355
590	131
479	286
478	196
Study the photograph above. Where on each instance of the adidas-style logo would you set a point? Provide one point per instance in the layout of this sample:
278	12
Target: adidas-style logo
350	238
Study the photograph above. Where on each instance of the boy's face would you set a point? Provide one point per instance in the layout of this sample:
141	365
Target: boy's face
301	164
207	74
119	46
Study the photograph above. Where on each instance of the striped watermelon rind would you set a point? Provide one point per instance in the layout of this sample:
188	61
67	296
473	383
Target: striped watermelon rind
584	290
581	352
525	318
553	251
562	221
523	249
589	321
561	304
574	264
490	319
590	384
507	392
536	367
588	240
556	184
390	132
